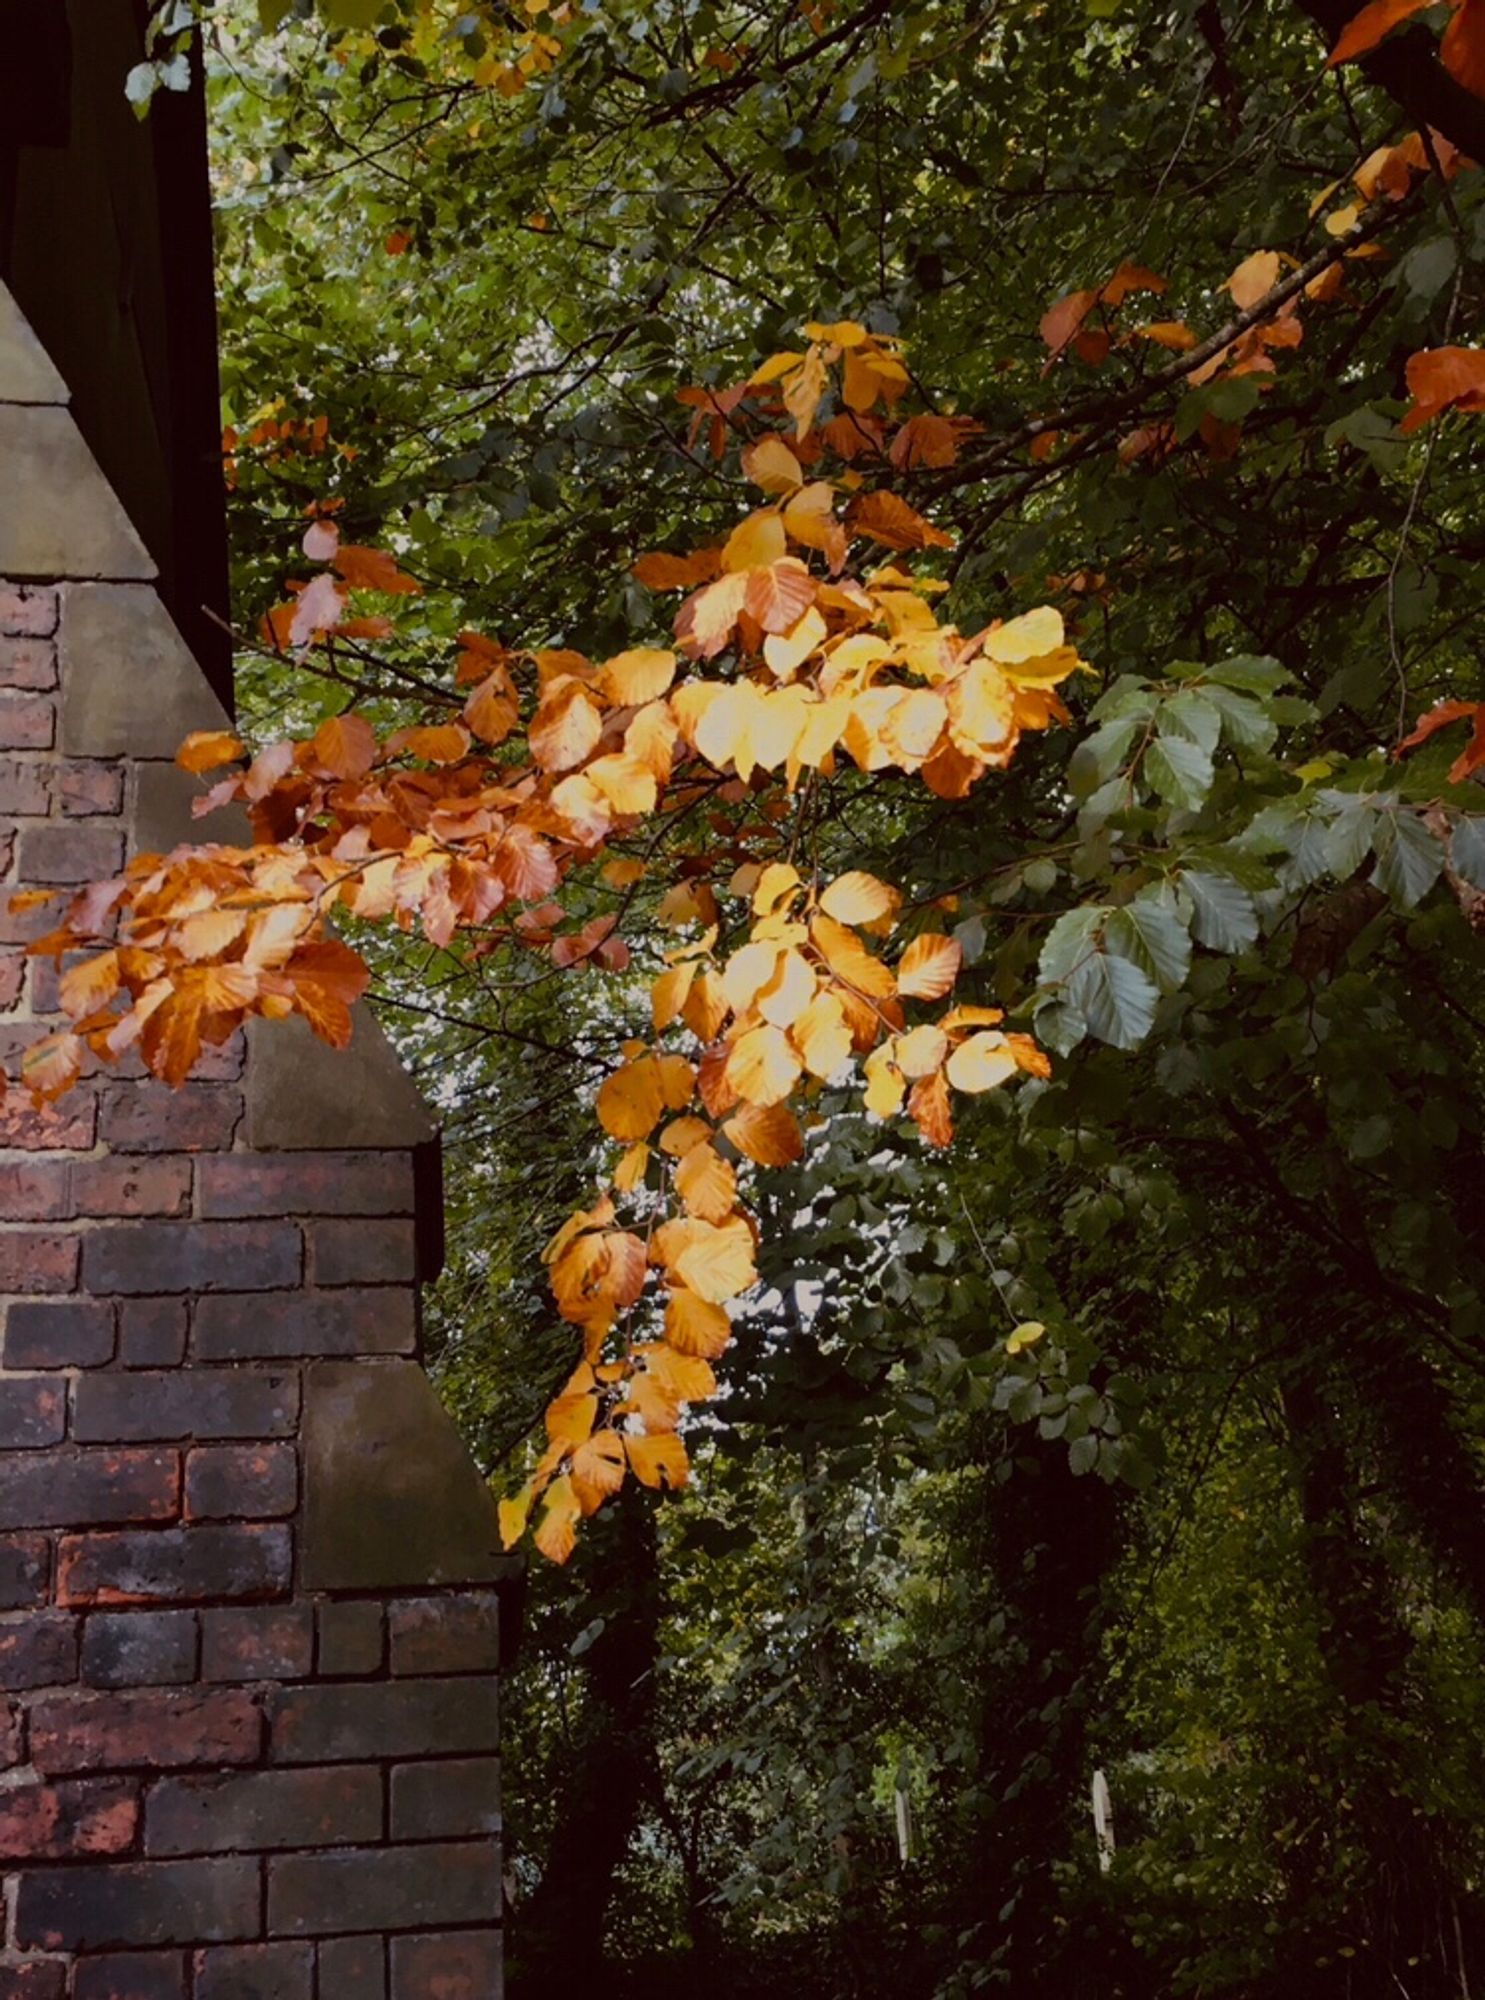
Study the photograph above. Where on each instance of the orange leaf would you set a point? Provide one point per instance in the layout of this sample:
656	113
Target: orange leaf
374	569
929	967
1254	278
556	1533
1061	322
665	572
857	898
1463	47
1444	378
767	1134
1363	32
566	728
206	749
658	1461
345	746
443	743
717	1262
706	1184
693	1326
631	1100
597	1469
763	1065
928	1105
890	521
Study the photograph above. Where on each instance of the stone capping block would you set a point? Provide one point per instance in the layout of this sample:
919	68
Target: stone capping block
393	1500
130	685
26	371
58	515
303	1095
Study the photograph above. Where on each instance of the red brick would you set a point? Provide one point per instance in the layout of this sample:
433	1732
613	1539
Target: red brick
12	980
37	1649
268	1642
351	1639
59	1333
238	1184
139	1648
462	1965
153	1118
344	1724
61	1822
138	1184
12	1735
68	1125
353	1965
140	1903
28	609
191	1257
152	1332
34	1190
316	1895
382	1320
446	1799
77	1489
173	1565
136	1975
445	1635
26	723
33	1979
340	1806
33	1412
256	1972
152	1729
69	853
25	1571
35	1260
202	1403
28	663
373	1252
25	787
250	1482
88	789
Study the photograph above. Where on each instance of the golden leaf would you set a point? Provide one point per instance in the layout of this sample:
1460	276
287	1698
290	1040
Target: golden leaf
631	1100
556	1533
921	1051
786	995
929	1107
886	1086
692	1326
786	652
566	727
668	994
514	1513
688	1377
681	1134
755	543
706	1184
658	1461
929	967
1030	637
856	898
597	1469
706	1005
981	1063
630	1172
206	749
769	1135
632	679
770	465
717	1262
763	1065
823	1036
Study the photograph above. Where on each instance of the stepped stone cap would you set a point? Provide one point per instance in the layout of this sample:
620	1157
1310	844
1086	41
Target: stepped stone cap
130	687
26	371
59	517
303	1094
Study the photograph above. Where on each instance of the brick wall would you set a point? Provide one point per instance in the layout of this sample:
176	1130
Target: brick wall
248	1575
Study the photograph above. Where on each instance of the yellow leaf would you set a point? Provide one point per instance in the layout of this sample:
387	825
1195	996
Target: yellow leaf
823	1036
205	749
838	333
668	994
556	1534
771	465
981	708
570	1419
706	1005
981	1063
788	992
630	1172
763	1065
747	972
1254	277
786	652
566	727
717	1263
642	675
929	967
849	959
688	1377
756	542
658	1461
627	784
692	1326
631	1100
677	1081
886	1086
597	1469
681	1134
856	898
1027	1334
921	1051
514	1513
706	1184
914	724
769	1135
1029	637
775	885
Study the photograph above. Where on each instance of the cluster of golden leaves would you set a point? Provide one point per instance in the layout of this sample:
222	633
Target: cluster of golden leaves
470	826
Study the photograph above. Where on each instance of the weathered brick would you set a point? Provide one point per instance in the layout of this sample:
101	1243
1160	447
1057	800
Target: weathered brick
33	1979
59	1822
35	1190
191	1257
12	984
351	1638
264	1643
139	1648
324	1725
464	1965
256	1972
135	1975
25	787
134	1184
79	1489
246	1482
33	1412
149	1729
203	1403
27	722
338	1807
37	1649
354	1965
152	1332
173	1564
37	1260
12	1734
232	1328
141	1903
28	663
67	1126
88	789
24	926
69	853
153	1118
59	1333
28	609
402	1888
25	1571
243	1184
446	1799
375	1251
446	1635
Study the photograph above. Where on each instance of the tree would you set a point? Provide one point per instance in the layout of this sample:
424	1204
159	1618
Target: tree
1220	1261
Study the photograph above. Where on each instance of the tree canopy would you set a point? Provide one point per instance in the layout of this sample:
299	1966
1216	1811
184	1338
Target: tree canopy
884	599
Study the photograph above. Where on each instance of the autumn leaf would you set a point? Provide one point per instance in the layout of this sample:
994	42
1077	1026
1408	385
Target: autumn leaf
556	1532
856	898
207	749
1366	29
630	1101
1444	378
374	569
717	1262
929	967
763	1065
657	1461
695	1326
769	1135
890	521
345	746
316	610
631	679
981	1063
1254	278
706	1184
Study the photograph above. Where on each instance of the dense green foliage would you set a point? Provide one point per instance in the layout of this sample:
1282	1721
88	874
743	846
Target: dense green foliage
1220	1532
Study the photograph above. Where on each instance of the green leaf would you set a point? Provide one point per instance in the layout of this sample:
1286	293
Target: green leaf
1193	716
1250	673
1129	696
273	13
1409	859
1152	933
1179	771
1100	755
1069	942
1115	998
1467	849
1246	723
1082	1455
1348	838
1223	914
351	13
